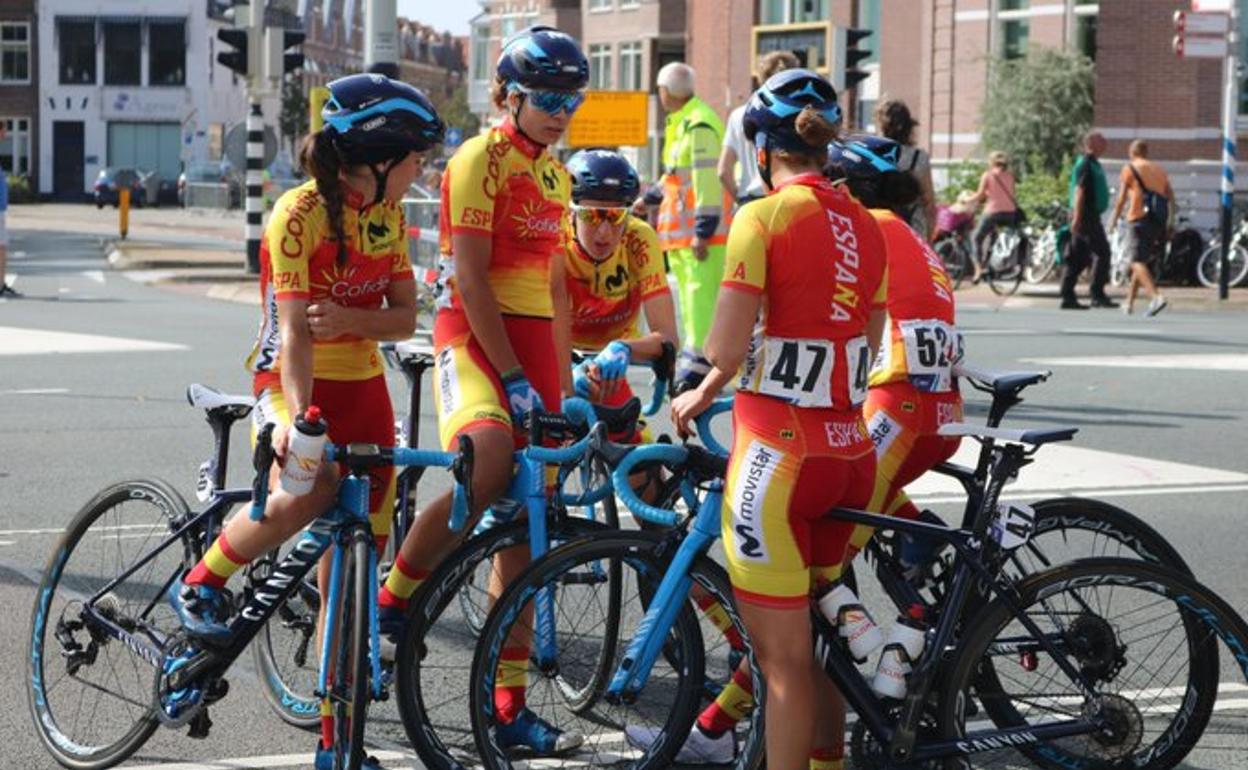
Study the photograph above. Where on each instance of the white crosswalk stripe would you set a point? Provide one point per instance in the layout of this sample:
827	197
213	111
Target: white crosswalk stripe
16	341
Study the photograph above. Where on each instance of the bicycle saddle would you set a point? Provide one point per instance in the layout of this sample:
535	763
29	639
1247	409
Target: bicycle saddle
1001	383
1033	436
419	347
213	400
622	418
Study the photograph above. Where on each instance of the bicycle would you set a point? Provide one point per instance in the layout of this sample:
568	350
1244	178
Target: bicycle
1045	258
1209	266
113	615
1009	247
970	647
1174	261
954	250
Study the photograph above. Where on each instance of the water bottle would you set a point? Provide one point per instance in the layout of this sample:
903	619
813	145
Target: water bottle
904	646
304	451
841	606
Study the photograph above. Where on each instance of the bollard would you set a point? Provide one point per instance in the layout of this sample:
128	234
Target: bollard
123	211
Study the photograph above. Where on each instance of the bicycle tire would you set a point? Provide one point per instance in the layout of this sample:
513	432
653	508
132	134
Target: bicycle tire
640	551
438	725
1209	267
1043	259
1089	637
954	259
1005	281
135	711
349	698
289	681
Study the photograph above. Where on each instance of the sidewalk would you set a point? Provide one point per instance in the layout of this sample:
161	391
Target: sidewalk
1047	296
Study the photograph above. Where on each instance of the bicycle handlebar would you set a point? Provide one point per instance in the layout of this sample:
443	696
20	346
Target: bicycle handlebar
703	424
663	453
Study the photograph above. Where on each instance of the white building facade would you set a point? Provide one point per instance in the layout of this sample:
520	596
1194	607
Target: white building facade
129	84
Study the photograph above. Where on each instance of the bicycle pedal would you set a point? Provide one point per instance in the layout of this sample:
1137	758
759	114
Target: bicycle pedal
200	726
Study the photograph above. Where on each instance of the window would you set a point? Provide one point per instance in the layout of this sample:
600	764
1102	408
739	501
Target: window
1085	35
77	60
630	67
599	5
629	4
600	66
15	146
481	52
792	11
123	54
15	53
1014	28
508	26
167	52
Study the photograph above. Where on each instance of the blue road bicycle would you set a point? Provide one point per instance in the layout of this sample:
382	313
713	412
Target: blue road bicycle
1043	671
108	661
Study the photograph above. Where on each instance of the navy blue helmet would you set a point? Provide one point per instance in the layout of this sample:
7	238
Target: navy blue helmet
771	113
543	58
868	164
603	175
375	119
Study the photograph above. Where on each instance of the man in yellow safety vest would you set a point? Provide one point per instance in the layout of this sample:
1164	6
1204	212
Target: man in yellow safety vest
695	212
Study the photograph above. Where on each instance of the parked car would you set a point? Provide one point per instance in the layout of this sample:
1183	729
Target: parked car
211	172
111	180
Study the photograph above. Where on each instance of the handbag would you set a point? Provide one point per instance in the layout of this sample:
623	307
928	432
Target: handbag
1156	207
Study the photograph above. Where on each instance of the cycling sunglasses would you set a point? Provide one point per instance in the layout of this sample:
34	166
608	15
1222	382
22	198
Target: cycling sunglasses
552	102
595	215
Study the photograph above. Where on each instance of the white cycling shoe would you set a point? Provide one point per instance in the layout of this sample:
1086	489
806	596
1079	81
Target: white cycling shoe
699	748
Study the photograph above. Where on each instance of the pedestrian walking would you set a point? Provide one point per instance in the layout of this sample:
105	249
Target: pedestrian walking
1148	221
893	121
1089	199
6	291
738	172
695	212
996	194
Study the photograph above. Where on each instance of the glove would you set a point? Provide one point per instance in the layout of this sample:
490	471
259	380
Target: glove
580	379
522	397
612	361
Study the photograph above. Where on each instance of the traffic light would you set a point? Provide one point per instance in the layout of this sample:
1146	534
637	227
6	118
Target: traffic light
846	56
292	60
235	60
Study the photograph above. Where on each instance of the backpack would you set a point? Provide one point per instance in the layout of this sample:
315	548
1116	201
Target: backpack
1156	206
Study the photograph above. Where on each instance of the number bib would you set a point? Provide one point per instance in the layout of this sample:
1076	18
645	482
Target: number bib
801	371
932	348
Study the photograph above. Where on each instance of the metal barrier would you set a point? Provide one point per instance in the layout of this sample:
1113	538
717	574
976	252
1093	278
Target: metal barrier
212	195
422	231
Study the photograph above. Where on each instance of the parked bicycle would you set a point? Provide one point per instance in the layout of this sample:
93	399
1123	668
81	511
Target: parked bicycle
1209	266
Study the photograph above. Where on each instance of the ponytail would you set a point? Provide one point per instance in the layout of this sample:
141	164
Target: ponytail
815	133
321	160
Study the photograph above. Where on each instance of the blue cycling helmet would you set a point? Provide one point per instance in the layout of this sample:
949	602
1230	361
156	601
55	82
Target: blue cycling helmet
374	119
603	175
771	113
543	58
868	165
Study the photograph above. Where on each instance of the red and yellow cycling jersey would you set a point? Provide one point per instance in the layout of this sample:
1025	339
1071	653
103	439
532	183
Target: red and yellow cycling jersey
299	260
606	296
817	257
503	186
923	343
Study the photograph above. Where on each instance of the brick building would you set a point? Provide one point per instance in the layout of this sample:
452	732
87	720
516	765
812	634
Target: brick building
19	89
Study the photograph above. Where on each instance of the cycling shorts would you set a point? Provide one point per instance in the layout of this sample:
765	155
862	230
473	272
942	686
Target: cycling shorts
788	467
356	410
903	423
466	388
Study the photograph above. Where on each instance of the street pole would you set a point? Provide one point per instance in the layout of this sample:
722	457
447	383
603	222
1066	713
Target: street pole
254	179
381	30
1229	112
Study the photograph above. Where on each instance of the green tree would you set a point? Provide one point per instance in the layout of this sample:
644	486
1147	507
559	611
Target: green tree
1037	109
454	111
293	120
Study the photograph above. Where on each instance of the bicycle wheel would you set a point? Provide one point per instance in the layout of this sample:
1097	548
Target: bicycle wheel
349	692
90	695
955	260
1043	258
432	658
664	710
1007	255
1209	268
285	651
1144	636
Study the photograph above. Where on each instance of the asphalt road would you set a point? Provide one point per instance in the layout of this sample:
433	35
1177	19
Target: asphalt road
93	369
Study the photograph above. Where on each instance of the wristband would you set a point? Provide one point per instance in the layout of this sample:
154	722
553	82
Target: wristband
512	374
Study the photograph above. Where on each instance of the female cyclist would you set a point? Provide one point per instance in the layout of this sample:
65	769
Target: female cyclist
615	275
913	391
503	201
334	279
807	264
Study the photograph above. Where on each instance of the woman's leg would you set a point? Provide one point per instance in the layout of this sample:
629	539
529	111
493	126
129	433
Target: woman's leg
781	638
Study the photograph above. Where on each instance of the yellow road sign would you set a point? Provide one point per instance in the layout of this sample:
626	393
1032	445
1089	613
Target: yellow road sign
317	97
611	119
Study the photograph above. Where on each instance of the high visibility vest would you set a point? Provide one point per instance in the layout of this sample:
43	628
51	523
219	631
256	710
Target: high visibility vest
691	188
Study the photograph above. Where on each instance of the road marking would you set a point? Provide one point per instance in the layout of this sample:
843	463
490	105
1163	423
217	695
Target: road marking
8	542
34	392
1200	362
16	341
94	275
